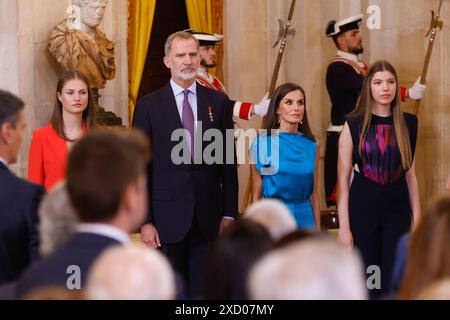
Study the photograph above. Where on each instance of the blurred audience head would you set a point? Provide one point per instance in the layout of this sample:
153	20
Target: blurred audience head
12	126
294	237
428	253
131	272
233	254
316	268
106	178
57	220
273	215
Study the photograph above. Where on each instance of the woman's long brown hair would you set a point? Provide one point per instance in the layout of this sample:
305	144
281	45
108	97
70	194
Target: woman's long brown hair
429	250
57	116
363	110
270	121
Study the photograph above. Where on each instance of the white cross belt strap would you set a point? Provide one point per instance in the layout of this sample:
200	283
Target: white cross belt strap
332	128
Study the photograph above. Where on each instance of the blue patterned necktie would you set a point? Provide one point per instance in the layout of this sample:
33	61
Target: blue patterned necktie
188	121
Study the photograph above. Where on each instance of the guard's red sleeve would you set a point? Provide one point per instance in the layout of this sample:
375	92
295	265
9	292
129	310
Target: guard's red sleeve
242	110
403	92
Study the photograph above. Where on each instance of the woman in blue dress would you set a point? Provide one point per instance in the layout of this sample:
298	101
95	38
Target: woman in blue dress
285	157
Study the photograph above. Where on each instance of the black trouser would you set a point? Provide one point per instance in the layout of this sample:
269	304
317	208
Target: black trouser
189	257
330	167
379	215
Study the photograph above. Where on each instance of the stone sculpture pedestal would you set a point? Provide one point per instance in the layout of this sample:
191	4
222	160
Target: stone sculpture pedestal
103	117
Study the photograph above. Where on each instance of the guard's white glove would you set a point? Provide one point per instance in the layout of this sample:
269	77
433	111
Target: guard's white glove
261	108
417	91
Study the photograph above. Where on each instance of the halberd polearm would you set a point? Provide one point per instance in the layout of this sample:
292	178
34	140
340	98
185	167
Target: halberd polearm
435	26
282	36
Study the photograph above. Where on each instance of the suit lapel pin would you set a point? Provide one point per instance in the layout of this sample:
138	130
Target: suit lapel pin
211	118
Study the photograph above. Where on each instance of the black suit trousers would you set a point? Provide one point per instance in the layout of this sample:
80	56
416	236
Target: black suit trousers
189	257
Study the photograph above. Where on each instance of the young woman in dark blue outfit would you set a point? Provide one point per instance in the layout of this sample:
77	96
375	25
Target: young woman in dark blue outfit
377	144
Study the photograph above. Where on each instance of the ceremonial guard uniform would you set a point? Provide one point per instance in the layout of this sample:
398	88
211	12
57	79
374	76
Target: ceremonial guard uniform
240	109
344	80
243	110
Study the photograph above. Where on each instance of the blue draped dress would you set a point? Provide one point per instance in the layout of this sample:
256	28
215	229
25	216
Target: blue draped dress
286	163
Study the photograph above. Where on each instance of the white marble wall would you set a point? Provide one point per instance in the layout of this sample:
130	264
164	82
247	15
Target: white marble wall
29	70
251	28
9	79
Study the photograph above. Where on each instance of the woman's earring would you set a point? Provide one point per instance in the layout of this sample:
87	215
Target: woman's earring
278	118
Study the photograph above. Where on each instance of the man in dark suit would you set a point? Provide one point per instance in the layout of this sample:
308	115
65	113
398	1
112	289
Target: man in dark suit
19	199
189	201
107	185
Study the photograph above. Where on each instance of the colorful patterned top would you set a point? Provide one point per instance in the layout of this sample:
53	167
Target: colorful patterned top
381	161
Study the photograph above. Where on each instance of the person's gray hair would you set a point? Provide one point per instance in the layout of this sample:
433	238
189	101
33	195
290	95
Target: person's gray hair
57	220
274	215
316	268
178	35
132	272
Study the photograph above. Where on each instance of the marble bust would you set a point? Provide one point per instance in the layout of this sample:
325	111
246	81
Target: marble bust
77	43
